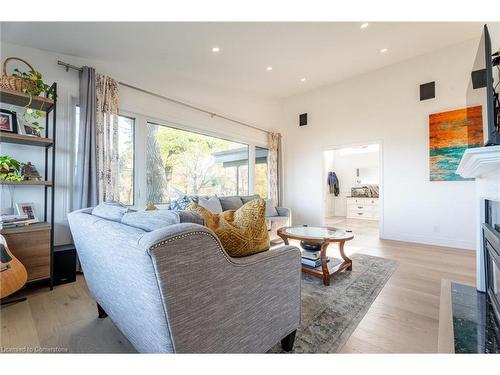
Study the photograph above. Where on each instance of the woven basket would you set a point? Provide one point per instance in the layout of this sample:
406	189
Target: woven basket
15	83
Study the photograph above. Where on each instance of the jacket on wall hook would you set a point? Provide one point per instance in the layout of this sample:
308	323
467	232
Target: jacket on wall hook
333	183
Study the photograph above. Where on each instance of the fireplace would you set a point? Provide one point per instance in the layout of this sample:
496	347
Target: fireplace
491	246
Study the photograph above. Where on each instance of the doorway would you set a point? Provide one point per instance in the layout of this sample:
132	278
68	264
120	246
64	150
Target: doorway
352	189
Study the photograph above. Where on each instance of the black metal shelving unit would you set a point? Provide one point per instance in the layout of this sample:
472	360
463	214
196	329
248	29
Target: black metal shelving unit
48	142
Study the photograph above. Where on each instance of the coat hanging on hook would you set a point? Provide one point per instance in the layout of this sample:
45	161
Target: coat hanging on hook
333	183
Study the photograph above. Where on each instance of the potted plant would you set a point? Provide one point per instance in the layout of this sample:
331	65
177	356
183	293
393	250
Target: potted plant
10	169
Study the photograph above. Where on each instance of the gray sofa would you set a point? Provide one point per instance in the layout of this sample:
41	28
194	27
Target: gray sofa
276	217
169	286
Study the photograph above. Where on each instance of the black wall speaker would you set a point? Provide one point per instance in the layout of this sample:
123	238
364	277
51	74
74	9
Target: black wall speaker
303	119
64	264
478	78
428	91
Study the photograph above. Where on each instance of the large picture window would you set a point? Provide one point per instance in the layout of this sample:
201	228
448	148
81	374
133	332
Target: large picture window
180	162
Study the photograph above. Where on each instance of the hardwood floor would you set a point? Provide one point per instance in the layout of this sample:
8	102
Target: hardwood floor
61	320
403	319
405	316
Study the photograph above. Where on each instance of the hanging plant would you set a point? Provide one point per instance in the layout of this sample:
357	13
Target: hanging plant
32	118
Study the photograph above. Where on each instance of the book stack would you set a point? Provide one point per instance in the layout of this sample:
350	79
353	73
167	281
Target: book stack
311	259
13	221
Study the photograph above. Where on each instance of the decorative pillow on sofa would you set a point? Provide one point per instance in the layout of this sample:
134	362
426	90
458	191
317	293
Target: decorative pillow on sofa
230	203
242	232
181	203
249	198
212	204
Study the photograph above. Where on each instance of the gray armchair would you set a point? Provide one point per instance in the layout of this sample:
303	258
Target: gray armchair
173	288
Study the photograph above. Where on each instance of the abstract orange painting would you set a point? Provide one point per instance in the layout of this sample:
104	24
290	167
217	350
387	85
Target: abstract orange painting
450	134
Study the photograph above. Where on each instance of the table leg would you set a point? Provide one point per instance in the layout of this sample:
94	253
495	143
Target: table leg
284	238
345	257
324	264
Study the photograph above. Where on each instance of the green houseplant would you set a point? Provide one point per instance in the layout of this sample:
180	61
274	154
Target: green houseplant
10	169
38	86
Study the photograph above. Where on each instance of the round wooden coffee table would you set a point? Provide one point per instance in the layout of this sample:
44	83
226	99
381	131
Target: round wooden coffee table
323	236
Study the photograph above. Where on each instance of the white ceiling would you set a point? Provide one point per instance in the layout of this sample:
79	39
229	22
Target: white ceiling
321	52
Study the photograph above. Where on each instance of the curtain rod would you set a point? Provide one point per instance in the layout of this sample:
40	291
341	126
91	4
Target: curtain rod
212	114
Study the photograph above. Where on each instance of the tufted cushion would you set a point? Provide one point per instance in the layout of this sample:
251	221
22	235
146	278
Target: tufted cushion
230	203
110	211
242	232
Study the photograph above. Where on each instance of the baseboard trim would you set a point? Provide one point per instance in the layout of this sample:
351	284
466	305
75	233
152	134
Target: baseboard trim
435	241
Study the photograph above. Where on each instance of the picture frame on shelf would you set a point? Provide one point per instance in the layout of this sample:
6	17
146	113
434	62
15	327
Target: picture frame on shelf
8	121
28	209
25	128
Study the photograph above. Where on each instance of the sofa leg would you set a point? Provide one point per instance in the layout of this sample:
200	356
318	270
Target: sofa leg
102	313
287	342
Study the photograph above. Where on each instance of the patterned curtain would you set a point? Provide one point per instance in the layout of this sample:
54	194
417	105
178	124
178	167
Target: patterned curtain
107	138
275	186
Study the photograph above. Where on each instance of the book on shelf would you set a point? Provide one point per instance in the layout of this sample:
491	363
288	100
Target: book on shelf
12	218
13	221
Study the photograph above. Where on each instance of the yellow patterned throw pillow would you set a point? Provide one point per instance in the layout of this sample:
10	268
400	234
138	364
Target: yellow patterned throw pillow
242	232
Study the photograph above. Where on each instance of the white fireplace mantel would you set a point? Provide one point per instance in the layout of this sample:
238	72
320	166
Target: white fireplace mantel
483	164
479	162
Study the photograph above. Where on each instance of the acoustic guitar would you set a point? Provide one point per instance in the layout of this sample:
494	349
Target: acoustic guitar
13	275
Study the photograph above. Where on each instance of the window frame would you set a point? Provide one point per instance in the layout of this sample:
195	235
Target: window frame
134	125
140	129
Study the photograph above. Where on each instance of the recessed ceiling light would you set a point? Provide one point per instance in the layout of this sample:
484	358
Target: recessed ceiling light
215	49
302	80
364	25
269	68
384	50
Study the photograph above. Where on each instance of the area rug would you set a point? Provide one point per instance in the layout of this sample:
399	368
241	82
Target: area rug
330	314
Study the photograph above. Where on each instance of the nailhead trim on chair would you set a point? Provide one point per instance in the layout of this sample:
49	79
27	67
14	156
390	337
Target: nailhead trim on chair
221	250
161	243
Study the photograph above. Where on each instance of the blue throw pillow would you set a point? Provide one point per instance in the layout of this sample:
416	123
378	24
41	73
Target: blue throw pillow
181	203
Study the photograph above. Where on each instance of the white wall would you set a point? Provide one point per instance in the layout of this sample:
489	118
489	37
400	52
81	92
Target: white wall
384	106
263	112
344	166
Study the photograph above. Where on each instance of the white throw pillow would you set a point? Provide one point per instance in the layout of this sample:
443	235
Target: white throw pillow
212	204
270	208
